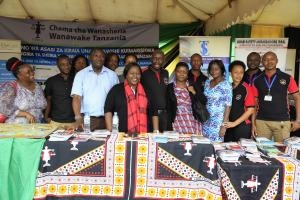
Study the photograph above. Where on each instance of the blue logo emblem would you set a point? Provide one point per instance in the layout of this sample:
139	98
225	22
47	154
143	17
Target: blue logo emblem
203	48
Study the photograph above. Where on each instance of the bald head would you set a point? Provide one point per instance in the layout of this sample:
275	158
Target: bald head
196	61
269	60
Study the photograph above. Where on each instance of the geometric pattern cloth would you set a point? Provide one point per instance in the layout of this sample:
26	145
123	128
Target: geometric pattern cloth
120	168
278	179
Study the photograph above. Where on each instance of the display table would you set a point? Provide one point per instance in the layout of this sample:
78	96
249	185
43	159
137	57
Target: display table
278	179
120	168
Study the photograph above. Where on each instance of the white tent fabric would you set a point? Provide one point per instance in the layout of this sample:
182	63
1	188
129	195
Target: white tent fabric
218	14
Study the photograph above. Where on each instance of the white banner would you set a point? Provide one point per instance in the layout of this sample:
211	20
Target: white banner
244	46
78	34
209	47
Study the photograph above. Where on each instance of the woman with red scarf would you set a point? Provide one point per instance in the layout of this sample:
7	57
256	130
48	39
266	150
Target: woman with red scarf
129	100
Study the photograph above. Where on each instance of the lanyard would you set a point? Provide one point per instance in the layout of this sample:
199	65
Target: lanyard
270	85
251	80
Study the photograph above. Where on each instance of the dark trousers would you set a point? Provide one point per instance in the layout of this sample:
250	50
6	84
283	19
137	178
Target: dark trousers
162	120
97	123
243	130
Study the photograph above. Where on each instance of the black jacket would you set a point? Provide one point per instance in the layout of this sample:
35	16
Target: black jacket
171	102
199	83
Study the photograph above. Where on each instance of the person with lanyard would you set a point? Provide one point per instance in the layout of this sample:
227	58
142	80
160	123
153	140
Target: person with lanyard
195	77
253	63
90	88
243	105
271	90
155	80
182	116
58	88
130	102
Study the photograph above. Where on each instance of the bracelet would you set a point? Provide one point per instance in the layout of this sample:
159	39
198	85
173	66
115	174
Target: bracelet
78	117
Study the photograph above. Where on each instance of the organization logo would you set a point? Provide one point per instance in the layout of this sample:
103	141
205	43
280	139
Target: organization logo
238	97
282	81
38	28
203	48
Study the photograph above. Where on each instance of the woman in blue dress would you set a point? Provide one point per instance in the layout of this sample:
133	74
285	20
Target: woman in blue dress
219	95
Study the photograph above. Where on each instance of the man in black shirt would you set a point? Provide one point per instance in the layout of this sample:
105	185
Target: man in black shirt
155	80
195	77
58	89
271	89
253	62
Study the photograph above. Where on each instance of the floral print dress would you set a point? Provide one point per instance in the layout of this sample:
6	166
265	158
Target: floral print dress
18	98
218	98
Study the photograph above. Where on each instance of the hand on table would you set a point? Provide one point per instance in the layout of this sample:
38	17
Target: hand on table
31	119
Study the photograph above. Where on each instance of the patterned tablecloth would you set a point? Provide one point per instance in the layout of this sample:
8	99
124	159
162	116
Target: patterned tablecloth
278	179
123	169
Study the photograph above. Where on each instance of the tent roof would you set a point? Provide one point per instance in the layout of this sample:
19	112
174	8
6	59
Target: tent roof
218	14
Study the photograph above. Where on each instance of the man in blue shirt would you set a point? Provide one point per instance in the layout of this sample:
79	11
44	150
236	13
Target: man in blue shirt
90	88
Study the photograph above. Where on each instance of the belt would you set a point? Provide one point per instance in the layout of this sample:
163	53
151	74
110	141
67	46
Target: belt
161	111
99	117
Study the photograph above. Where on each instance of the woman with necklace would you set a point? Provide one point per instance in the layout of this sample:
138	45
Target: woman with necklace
180	98
243	105
219	95
21	101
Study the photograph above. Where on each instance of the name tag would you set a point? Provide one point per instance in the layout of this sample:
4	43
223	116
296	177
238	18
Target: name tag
268	98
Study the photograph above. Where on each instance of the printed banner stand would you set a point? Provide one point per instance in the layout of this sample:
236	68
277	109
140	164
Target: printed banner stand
209	47
244	46
8	49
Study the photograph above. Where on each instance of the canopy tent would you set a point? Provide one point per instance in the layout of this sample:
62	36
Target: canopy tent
179	17
217	14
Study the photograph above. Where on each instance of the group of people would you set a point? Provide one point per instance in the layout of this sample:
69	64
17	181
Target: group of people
255	103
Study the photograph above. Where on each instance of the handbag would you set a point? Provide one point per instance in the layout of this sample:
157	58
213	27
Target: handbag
200	111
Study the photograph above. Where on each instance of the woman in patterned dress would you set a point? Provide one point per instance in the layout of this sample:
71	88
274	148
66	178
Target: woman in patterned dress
21	101
180	98
219	95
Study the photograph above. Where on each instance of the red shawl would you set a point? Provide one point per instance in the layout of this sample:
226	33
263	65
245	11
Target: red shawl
136	108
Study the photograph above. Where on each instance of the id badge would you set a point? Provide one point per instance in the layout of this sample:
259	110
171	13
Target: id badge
268	98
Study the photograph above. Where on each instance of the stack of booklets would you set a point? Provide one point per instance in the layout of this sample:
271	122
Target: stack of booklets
219	146
270	150
198	139
61	135
165	136
234	146
293	141
100	133
229	155
249	145
264	141
171	134
247	142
